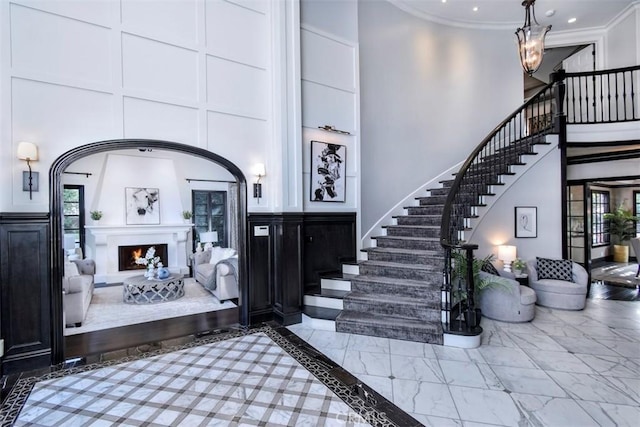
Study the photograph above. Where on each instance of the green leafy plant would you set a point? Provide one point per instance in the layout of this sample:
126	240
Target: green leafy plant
96	215
622	223
187	214
519	264
459	272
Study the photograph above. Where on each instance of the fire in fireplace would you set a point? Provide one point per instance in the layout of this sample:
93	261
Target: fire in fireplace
127	255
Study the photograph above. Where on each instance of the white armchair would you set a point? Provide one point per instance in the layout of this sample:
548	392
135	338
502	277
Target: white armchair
216	270
559	284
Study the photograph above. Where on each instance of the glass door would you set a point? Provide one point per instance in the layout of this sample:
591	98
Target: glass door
73	212
210	215
577	225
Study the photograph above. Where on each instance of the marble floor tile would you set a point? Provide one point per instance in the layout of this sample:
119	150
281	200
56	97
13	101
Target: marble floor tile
611	366
629	386
620	346
562	361
430	421
382	385
424	398
552	411
612	415
506	357
416	368
451	353
590	387
321	339
361	362
467	374
557	329
497	338
410	348
368	344
530	381
486	406
584	345
536	341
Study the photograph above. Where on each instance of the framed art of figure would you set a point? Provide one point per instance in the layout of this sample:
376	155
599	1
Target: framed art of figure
328	172
142	205
526	221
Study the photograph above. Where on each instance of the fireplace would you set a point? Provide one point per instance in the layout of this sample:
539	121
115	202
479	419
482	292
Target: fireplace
127	255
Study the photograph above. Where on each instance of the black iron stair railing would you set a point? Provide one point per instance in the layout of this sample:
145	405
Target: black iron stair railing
607	96
484	168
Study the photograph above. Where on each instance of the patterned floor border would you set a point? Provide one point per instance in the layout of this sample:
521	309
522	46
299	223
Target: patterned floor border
368	406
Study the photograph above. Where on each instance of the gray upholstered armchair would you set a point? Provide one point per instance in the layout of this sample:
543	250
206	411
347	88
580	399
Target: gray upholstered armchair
558	283
506	300
635	244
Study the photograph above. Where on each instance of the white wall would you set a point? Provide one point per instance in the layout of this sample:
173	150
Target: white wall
195	72
623	40
429	95
539	187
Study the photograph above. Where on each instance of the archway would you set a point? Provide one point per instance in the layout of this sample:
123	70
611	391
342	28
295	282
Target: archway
55	204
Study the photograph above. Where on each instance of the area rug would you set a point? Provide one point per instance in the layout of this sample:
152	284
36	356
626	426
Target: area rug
620	274
107	310
255	377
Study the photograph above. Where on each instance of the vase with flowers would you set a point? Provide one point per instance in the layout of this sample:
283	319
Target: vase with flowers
151	261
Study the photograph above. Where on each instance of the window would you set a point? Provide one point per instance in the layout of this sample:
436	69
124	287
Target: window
599	226
210	214
73	211
636	210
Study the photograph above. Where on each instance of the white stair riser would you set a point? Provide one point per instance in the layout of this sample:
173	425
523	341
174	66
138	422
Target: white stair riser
350	269
326	325
339	285
319	301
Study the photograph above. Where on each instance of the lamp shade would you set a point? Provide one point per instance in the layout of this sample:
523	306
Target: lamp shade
259	169
209	237
506	253
27	151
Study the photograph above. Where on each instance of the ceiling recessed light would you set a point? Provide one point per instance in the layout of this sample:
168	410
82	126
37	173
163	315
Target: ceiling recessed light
550	13
572	20
475	9
444	1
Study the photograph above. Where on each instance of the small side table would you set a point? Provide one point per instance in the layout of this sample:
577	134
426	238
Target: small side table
523	279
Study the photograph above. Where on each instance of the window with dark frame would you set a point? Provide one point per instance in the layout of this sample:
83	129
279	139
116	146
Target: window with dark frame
73	212
210	214
600	226
636	210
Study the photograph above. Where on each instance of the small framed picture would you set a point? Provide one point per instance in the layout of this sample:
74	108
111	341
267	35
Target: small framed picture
526	221
328	172
142	205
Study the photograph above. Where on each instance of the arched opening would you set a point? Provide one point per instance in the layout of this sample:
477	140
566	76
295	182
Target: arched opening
61	164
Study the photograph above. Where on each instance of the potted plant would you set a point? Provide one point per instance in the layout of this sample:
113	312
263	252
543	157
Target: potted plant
187	215
622	225
458	276
518	266
96	215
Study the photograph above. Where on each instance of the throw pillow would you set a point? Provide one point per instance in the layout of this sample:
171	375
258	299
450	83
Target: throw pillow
488	267
70	269
218	254
558	269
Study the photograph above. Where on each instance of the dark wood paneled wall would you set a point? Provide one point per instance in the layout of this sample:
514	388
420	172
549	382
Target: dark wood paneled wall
294	250
25	298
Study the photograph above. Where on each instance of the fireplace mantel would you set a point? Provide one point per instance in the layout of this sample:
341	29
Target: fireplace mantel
103	242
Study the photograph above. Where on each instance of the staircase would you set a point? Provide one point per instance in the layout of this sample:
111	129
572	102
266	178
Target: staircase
404	288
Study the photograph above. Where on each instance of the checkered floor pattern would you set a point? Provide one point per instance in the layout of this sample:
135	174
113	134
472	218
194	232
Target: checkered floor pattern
248	380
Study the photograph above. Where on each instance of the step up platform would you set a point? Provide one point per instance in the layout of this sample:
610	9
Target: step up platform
378	325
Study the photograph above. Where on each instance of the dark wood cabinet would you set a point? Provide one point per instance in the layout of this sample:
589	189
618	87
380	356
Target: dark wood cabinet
288	250
25	298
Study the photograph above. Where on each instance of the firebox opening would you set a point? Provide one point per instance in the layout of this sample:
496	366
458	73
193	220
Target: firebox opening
127	255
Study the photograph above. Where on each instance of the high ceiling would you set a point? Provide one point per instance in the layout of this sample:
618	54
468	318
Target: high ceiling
510	13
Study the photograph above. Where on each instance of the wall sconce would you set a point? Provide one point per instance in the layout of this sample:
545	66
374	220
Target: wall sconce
507	254
259	171
28	151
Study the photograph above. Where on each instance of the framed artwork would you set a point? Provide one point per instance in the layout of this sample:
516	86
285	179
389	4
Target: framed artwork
328	172
142	205
526	221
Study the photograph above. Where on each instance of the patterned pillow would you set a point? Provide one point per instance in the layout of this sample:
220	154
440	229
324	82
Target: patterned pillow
488	267
558	269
